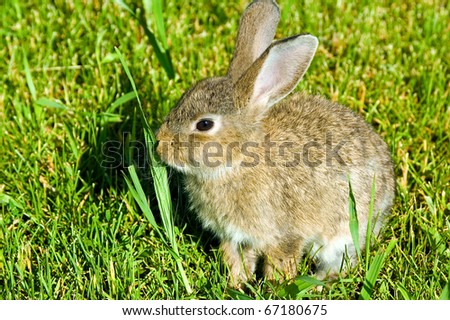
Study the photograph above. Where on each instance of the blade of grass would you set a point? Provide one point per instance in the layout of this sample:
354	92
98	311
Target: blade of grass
28	77
154	7
369	223
161	186
158	171
71	141
354	224
299	287
445	295
162	54
374	270
139	196
6	199
45	102
38	115
403	292
123	99
238	295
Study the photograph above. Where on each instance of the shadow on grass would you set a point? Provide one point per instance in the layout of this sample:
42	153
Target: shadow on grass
115	141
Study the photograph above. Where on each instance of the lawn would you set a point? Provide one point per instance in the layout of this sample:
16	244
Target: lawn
71	127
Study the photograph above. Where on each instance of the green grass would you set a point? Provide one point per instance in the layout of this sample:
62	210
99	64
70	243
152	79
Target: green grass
70	226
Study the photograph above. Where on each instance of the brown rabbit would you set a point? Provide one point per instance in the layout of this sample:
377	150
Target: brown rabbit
270	177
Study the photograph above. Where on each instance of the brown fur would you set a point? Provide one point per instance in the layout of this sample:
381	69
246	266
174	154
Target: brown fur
270	208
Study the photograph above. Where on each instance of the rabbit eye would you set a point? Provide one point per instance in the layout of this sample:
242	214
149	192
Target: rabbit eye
204	125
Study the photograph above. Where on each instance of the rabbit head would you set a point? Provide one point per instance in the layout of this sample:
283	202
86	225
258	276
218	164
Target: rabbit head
218	112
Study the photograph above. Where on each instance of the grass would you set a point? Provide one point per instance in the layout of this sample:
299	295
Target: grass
70	226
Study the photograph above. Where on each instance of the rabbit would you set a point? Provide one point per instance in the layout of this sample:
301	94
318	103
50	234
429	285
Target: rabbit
270	175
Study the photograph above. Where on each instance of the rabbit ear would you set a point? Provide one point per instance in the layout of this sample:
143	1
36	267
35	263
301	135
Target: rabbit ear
256	32
276	73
